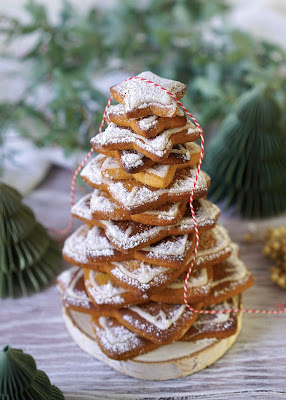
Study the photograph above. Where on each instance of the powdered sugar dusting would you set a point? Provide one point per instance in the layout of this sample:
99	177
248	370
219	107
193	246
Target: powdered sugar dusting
159	170
197	279
148	122
207	253
140	195
75	245
98	245
93	170
170	212
107	293
134	234
172	246
126	239
115	338
235	273
137	93
159	145
75	297
131	158
144	273
65	278
101	203
82	208
161	320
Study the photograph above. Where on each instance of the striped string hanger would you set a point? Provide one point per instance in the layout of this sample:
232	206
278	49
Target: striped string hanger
280	308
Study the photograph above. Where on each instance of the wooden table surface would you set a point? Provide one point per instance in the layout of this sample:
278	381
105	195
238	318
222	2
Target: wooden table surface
253	368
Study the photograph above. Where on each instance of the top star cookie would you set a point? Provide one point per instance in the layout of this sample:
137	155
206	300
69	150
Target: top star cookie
140	98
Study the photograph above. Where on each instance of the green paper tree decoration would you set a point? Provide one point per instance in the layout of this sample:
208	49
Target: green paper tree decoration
20	379
247	160
29	258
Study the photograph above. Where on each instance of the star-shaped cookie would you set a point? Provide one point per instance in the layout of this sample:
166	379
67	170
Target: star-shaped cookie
140	98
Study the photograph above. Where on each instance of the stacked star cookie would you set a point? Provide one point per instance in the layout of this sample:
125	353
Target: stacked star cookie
123	300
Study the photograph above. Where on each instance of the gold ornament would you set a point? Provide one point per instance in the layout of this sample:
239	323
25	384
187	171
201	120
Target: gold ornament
275	248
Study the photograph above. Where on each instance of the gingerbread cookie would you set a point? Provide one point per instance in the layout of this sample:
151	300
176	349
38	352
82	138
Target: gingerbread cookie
215	246
157	148
230	278
128	236
74	250
106	294
158	322
199	287
216	326
99	205
134	197
170	252
118	342
90	248
173	251
158	176
93	242
93	292
148	126
141	99
132	162
141	278
71	286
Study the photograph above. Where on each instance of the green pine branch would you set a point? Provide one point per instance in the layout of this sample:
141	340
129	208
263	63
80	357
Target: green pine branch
171	38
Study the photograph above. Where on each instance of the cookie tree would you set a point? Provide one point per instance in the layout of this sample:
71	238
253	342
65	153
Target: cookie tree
247	159
29	258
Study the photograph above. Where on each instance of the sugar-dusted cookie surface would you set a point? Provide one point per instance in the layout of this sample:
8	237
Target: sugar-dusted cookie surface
132	161
93	292
230	278
118	342
90	248
215	246
106	294
216	326
157	148
74	249
158	176
71	286
128	236
199	287
158	322
141	278
134	197
148	126
140	98
97	250
171	252
99	205
159	364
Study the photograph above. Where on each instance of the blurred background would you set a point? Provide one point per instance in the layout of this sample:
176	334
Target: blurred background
59	58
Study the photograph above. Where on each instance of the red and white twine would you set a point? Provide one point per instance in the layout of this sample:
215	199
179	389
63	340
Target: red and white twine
280	308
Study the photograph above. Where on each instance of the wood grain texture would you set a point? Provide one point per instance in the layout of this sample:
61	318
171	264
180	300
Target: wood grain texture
253	368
